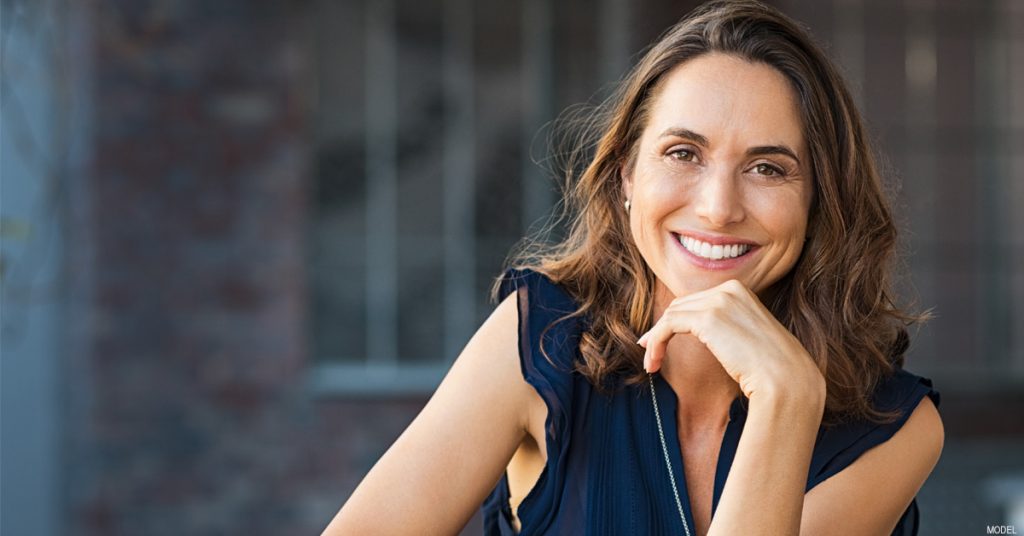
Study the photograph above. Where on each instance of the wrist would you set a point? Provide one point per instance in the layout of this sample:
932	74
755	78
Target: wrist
802	387
791	400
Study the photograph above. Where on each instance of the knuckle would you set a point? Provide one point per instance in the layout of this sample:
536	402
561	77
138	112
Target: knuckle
733	286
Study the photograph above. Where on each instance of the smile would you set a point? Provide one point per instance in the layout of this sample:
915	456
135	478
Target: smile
713	251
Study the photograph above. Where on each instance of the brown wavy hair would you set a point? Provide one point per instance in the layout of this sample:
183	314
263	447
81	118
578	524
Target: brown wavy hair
838	298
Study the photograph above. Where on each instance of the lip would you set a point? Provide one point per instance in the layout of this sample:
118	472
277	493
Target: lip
720	264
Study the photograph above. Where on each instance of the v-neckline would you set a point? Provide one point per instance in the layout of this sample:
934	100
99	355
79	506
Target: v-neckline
727	451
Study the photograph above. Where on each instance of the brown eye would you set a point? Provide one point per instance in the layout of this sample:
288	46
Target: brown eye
683	155
767	170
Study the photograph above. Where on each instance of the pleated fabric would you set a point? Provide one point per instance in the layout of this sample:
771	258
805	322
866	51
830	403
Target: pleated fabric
605	470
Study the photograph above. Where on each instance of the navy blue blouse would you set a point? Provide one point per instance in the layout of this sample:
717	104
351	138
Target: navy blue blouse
605	471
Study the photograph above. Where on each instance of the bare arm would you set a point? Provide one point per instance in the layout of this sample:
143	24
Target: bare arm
764	492
441	468
869	496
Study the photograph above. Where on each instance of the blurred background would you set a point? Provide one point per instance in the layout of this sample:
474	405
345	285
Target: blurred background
243	241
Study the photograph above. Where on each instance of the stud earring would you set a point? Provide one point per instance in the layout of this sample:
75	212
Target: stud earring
627	205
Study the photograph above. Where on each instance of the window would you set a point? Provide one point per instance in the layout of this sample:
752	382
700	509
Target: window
425	114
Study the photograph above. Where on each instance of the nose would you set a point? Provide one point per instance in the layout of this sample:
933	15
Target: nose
719	201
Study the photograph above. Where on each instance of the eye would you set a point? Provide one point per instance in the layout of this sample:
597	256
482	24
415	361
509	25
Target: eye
683	155
768	170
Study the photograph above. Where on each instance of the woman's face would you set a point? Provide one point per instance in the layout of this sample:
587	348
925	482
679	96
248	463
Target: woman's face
720	187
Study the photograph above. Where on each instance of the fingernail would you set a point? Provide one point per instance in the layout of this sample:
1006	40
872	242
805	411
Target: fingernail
642	340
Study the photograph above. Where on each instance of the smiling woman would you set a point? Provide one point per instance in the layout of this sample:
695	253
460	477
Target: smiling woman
713	348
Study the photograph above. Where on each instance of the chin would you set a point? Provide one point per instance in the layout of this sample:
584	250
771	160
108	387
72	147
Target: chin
684	285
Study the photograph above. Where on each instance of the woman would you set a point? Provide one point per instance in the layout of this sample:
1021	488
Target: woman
713	349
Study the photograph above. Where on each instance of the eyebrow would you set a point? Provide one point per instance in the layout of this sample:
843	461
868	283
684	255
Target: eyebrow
773	149
753	151
685	133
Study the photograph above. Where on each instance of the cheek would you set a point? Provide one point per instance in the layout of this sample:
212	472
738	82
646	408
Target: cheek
785	216
653	202
660	193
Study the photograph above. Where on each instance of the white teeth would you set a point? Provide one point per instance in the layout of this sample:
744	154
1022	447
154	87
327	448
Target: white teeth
716	252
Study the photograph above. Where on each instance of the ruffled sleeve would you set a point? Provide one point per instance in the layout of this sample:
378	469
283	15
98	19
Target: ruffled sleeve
548	346
543	328
840	446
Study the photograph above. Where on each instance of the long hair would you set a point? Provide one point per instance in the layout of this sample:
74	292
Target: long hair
837	299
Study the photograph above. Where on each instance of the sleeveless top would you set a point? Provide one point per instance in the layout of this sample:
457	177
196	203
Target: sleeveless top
605	470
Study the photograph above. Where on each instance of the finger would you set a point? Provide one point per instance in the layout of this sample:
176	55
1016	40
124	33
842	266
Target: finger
696	304
691	302
668	326
728	310
655	341
726	304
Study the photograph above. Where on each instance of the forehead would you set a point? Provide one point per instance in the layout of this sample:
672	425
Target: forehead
728	100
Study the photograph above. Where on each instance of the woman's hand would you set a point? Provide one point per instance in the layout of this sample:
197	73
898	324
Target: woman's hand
758	352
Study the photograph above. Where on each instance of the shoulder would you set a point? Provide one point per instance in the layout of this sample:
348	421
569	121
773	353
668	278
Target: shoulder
918	432
548	323
538	290
901	393
882	466
549	332
495	348
489	369
923	434
913	449
921	401
483	407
